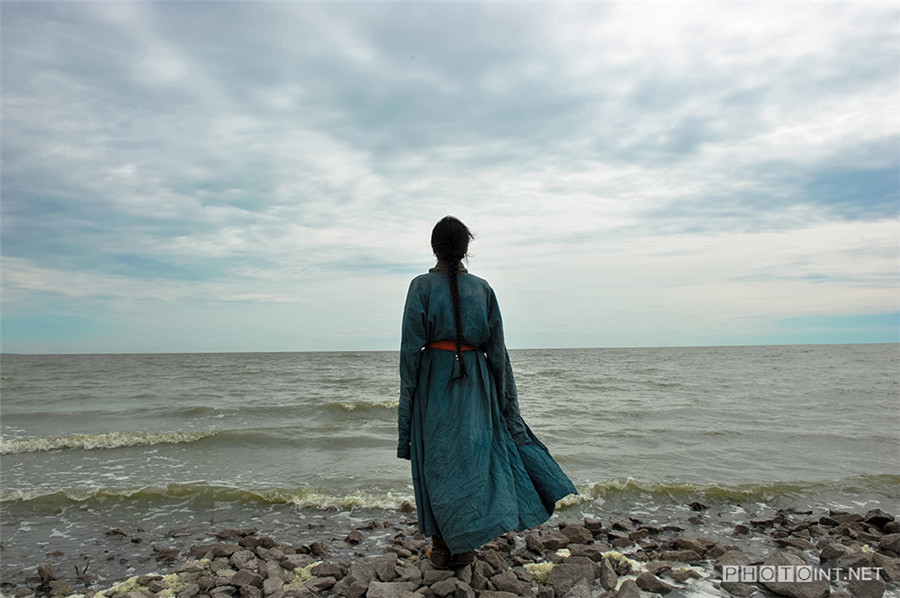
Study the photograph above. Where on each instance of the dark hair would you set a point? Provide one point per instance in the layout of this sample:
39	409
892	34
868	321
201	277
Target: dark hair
450	243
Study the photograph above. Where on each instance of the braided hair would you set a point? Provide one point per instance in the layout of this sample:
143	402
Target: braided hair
450	243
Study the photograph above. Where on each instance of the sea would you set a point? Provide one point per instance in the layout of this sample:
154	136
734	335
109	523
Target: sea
104	456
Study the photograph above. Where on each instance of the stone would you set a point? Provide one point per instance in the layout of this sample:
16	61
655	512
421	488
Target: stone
890	542
608	578
431	575
274	570
350	588
892	527
164	553
495	594
577	534
866	588
45	572
319	549
737	588
452	588
582	589
808	589
832	552
272	585
354	537
534	544
798	543
190	566
250	592
223	549
566	574
244	559
741	530
890	566
591	551
188	591
392	589
507	581
327	569
320	584
554	540
698	545
235	533
246	577
651	583
682	575
628	589
374	567
495	561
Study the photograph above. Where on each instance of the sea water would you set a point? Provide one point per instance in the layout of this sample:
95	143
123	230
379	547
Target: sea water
159	442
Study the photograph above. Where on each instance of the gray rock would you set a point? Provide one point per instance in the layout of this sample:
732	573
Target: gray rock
651	583
349	587
582	589
223	549
591	551
569	572
554	540
390	589
808	589
681	556
534	544
431	576
507	581
495	561
320	584
872	588
244	559
608	578
190	566
453	588
272	585
495	594
372	568
295	592
628	589
878	518
245	577
737	588
890	542
890	566
188	591
250	592
327	569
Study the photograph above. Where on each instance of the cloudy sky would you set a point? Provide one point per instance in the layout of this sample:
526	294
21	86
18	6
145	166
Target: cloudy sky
242	176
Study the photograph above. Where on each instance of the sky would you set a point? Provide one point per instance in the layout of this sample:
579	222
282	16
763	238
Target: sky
264	176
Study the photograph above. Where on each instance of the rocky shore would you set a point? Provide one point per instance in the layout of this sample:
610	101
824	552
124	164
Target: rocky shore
840	554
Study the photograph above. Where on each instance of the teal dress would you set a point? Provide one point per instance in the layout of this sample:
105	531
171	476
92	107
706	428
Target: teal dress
477	469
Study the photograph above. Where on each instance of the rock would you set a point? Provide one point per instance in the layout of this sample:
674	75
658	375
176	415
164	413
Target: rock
798	543
320	584
697	506
651	583
872	588
235	533
250	592
890	566
737	588
608	578
591	551
393	589
327	569
45	572
244	559
832	552
407	507
188	591
793	589
534	544
350	588
431	575
495	561
892	527
223	549
741	530
319	549
190	566
554	540
246	577
582	589
165	554
577	534
272	585
354	537
274	570
569	572
452	588
890	542
374	567
507	581
628	589
682	575
495	594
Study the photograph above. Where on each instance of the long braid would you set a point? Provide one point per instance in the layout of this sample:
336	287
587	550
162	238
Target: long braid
453	277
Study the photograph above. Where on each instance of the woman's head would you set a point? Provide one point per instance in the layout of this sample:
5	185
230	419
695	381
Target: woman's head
450	240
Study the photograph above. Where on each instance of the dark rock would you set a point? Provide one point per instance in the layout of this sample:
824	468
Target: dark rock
507	581
594	525
393	589
327	569
118	532
320	584
298	561
698	545
651	583
831	552
736	588
591	551
45	572
431	576
657	567
798	543
188	591
534	544
682	575
272	586
250	592
582	589
495	594
577	534
554	540
697	506
354	537
794	589
890	566
495	561
165	554
235	533
223	549
891	528
319	549
407	507
628	589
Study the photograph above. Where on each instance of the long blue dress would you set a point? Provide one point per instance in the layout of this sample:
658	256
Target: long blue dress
478	470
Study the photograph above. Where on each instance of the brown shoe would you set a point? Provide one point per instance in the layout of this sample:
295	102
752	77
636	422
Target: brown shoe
462	560
439	555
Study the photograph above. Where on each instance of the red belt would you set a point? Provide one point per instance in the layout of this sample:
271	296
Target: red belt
449	346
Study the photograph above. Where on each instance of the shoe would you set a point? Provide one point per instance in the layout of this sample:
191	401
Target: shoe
462	560
439	555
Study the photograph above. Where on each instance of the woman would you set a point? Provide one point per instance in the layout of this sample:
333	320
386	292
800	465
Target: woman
478	470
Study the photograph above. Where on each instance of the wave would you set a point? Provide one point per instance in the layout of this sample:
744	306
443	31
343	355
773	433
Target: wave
305	497
108	440
885	484
361	405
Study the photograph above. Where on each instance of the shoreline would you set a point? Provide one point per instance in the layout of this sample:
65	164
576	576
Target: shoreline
620	555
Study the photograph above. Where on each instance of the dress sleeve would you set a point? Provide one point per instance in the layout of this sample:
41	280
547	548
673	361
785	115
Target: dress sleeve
498	357
411	343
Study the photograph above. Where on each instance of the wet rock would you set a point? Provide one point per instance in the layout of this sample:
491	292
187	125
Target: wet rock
741	530
225	534
736	588
697	506
794	589
354	537
223	549
319	549
890	566
681	556
628	589
164	554
651	583
698	545
682	575
890	542
407	507
45	572
892	527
